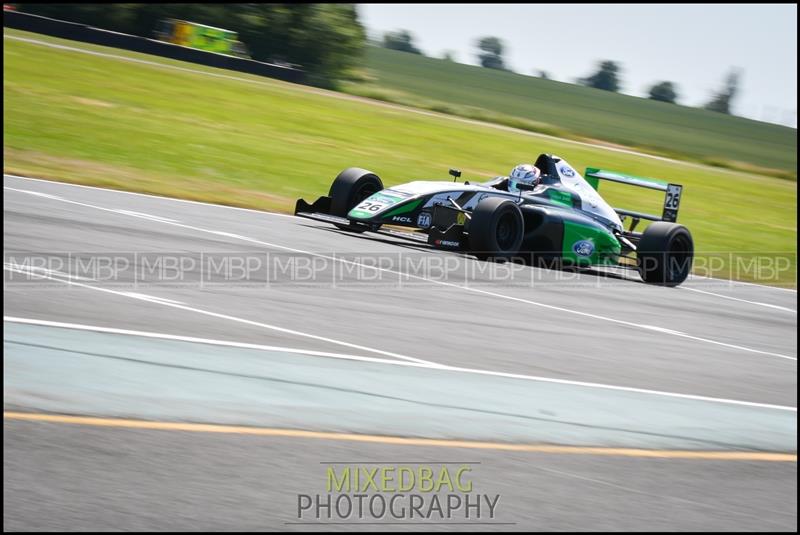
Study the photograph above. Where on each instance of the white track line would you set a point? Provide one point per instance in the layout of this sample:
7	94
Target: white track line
731	282
737	299
344	96
208	341
146	216
650	328
56	183
444	368
145	297
169	303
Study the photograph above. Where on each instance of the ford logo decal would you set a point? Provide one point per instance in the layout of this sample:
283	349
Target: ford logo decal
583	248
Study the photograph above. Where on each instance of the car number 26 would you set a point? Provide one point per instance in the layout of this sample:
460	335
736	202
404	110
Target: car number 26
370	206
673	197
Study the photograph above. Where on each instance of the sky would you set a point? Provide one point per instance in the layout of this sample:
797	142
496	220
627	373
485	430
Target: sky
692	45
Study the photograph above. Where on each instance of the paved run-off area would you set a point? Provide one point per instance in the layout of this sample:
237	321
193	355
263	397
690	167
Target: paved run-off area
317	339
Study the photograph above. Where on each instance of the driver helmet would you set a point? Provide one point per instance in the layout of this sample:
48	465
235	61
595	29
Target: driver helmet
524	173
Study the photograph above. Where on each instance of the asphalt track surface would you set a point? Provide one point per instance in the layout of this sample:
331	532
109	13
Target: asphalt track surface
721	353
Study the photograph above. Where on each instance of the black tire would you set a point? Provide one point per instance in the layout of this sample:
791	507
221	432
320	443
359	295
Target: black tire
349	188
664	254
496	229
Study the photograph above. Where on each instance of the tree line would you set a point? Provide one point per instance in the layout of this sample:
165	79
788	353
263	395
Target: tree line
607	77
326	40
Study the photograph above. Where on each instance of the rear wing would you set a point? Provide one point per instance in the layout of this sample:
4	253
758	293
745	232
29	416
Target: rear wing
672	197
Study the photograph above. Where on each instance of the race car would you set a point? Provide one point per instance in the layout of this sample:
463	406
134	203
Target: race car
562	218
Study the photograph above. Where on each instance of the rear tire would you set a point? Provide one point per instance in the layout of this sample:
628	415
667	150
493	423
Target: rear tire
664	254
349	188
496	229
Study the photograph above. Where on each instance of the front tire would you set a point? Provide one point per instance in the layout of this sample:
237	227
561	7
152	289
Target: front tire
349	188
496	229
665	253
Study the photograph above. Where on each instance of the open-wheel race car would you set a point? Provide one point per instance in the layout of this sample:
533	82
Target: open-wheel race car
561	218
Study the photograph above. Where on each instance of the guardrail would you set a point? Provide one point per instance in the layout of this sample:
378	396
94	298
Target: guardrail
98	36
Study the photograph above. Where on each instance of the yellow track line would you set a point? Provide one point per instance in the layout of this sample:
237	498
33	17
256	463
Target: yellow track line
401	441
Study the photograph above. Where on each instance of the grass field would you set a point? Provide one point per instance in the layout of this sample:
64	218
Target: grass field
262	143
559	108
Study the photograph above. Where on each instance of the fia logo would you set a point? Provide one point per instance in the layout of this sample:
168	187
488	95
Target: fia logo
424	220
